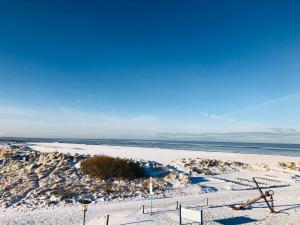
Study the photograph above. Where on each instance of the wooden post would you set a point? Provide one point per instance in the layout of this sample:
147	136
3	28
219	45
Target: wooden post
176	204
143	209
264	196
107	219
180	215
206	201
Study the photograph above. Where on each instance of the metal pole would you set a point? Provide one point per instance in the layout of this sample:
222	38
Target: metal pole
201	217
84	216
107	219
180	215
143	209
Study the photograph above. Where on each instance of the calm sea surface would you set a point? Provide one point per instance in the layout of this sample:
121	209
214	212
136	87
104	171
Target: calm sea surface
255	148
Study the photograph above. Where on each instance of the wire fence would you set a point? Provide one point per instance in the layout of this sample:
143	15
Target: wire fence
159	211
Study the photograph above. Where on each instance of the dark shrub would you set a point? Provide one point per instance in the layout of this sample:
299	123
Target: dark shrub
105	167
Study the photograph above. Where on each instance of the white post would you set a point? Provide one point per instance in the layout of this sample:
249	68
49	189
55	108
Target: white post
151	194
151	186
151	213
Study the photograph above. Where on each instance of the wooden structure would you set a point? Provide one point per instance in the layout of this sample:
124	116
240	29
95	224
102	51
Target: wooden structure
265	196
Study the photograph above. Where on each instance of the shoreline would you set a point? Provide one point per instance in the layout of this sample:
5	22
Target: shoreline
160	155
281	149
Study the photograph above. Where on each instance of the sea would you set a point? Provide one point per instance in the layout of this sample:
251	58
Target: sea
237	147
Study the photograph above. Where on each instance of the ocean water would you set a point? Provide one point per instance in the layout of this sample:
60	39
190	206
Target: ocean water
254	148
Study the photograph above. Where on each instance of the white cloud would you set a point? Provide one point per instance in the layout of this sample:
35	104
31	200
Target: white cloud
273	135
219	117
67	122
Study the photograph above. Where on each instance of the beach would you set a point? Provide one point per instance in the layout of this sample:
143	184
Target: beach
222	189
164	156
150	112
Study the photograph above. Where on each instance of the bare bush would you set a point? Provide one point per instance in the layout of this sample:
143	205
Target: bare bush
104	167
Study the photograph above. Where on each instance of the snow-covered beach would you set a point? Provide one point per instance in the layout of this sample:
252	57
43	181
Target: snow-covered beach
164	156
221	190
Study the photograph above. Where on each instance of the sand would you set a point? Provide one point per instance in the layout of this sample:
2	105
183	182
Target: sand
287	197
164	156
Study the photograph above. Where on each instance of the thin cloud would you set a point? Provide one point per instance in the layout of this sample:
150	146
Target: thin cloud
219	117
16	120
234	123
67	122
269	103
276	135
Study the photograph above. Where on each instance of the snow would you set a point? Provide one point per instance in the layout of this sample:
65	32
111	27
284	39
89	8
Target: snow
165	210
164	156
220	193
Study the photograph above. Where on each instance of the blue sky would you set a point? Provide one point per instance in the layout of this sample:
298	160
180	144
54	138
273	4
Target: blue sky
203	70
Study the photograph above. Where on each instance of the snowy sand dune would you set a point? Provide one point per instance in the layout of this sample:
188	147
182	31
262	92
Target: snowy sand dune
222	190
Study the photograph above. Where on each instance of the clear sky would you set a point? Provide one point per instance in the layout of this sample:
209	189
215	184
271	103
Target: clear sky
192	70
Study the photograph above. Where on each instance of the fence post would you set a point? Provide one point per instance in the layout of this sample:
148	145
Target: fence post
107	219
143	209
201	217
180	215
176	204
151	213
84	211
